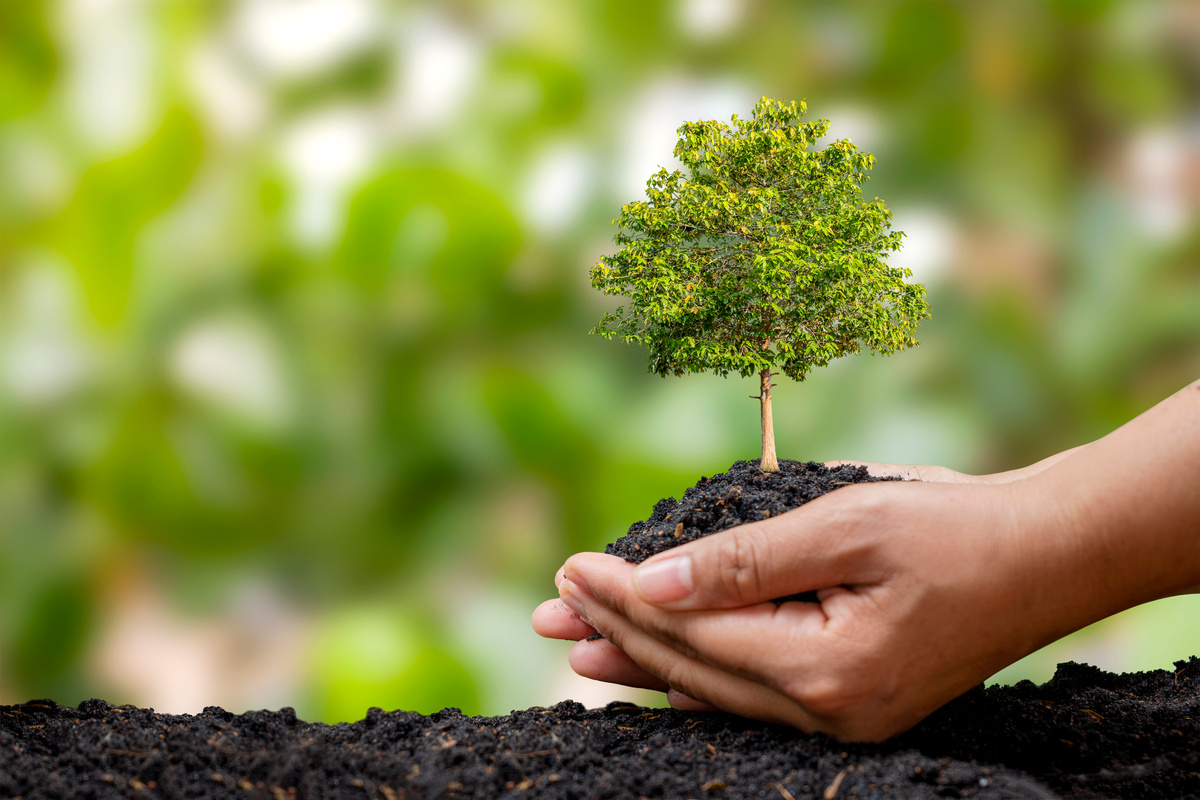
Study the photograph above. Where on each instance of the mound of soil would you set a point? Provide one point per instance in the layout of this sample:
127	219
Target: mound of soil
743	494
1084	734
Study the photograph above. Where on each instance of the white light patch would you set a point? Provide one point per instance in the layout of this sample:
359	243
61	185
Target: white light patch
438	65
556	188
297	38
929	240
110	71
707	20
234	364
1158	159
250	656
325	154
915	436
683	423
234	103
856	123
658	112
39	175
45	359
331	147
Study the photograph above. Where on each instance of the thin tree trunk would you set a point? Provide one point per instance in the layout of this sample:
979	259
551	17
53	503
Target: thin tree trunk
769	462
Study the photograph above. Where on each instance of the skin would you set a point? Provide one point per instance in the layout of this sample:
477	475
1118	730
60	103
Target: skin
926	588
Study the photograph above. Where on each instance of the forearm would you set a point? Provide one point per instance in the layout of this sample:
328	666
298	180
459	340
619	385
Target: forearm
1117	523
1037	468
939	474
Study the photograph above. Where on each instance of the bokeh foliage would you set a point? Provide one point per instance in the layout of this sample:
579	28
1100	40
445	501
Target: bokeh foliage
308	322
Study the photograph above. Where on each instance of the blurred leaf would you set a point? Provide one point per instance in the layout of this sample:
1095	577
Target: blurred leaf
115	200
541	437
375	656
560	88
1081	10
475	237
28	61
922	38
51	636
153	493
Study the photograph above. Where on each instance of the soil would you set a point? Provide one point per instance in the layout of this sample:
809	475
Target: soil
1084	734
743	494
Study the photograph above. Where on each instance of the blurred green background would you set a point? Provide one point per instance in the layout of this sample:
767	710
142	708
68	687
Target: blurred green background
297	401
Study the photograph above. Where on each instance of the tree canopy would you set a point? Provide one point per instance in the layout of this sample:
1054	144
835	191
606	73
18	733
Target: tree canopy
761	256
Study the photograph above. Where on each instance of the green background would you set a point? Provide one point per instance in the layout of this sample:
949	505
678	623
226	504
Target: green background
297	401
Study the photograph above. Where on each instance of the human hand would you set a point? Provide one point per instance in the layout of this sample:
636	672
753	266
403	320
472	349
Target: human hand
931	473
595	657
598	658
924	590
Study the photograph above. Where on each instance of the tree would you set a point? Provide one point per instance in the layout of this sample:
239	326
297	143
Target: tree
762	257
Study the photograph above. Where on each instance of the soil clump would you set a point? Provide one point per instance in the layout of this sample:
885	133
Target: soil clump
741	495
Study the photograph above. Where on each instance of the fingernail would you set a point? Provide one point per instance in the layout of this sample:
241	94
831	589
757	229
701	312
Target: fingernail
665	581
569	600
572	574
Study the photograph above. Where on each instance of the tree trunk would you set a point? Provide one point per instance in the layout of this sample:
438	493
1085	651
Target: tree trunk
769	462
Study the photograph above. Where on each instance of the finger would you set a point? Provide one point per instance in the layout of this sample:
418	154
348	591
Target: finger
681	701
821	544
554	620
729	639
696	679
601	660
877	469
929	473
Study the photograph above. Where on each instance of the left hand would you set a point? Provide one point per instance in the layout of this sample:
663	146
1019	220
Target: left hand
599	659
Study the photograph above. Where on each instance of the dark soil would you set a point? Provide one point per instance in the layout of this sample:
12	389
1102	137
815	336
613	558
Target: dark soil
743	494
1084	734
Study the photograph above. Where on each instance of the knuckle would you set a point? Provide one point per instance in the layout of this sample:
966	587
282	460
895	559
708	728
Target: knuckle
680	676
829	696
739	573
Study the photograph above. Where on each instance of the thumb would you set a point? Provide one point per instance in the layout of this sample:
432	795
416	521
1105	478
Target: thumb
802	550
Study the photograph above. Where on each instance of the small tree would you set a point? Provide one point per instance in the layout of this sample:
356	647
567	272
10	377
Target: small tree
763	257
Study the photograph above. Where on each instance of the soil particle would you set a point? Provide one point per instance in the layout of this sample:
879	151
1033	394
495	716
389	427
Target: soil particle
1084	734
743	494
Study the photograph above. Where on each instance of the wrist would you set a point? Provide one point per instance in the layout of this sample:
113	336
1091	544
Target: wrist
1042	588
1089	550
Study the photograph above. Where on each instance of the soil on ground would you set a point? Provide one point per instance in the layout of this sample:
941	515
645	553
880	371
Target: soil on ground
1084	734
